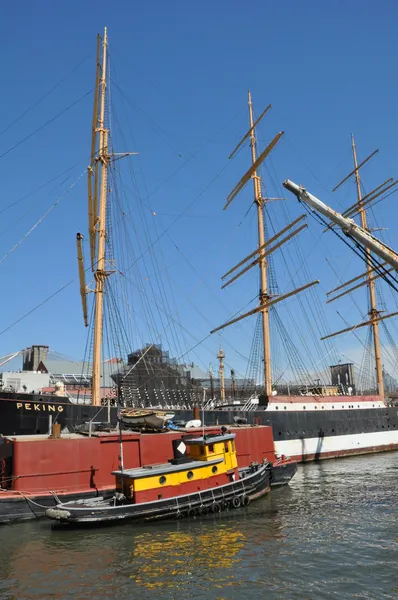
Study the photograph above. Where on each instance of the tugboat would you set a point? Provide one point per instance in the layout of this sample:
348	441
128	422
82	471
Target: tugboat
202	477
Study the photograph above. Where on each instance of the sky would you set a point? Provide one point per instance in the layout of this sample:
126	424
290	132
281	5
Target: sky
184	68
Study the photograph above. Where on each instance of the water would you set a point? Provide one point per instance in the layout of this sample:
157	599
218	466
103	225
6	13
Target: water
332	534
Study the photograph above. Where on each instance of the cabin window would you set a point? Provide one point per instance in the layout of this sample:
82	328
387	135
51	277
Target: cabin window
189	474
211	447
214	469
162	480
226	447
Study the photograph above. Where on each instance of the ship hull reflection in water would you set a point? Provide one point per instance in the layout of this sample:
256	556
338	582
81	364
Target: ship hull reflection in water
332	532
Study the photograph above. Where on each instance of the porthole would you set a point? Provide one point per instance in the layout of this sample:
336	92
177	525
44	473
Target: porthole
315	407
213	470
190	474
277	407
332	406
285	407
323	407
303	407
162	480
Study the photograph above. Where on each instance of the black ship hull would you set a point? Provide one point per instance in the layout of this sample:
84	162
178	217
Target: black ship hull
302	435
253	485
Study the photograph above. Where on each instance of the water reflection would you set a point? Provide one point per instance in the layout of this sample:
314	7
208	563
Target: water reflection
335	528
159	560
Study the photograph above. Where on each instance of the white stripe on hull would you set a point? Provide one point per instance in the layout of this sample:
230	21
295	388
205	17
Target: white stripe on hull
338	445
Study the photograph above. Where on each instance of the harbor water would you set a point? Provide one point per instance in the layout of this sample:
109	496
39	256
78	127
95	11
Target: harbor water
332	534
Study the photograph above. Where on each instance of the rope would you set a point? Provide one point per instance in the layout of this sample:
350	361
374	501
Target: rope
23	238
45	124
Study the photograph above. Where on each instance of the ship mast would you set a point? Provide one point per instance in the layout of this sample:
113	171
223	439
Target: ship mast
263	296
264	248
97	171
221	357
100	272
373	312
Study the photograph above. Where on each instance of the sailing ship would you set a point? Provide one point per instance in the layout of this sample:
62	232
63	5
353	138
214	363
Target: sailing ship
328	421
317	422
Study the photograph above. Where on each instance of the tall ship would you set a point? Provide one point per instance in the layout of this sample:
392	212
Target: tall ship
314	414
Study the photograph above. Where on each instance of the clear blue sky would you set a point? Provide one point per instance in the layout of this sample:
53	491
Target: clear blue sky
328	68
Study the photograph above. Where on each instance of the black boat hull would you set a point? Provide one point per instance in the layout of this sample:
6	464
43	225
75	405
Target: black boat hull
255	484
28	507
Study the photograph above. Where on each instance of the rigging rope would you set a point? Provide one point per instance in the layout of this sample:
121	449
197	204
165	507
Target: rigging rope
46	123
23	238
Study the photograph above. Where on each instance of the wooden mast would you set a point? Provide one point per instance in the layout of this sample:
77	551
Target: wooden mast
263	296
264	248
221	357
100	273
373	312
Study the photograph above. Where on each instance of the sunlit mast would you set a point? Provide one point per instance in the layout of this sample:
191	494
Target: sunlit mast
373	312
263	296
221	373
97	180
265	247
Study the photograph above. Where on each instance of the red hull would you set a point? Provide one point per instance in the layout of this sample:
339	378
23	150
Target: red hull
37	465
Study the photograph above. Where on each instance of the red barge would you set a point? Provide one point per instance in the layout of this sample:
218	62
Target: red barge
38	471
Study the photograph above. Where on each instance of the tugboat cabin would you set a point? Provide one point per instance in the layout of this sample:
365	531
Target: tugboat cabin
199	464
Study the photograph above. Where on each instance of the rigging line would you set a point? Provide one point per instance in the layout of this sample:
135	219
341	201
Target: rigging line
355	247
189	159
37	189
295	150
155	127
204	190
31	207
23	238
171	318
54	87
155	260
46	123
38	306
